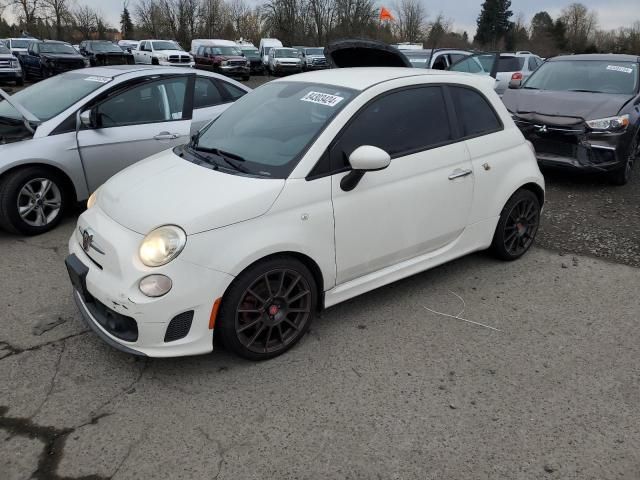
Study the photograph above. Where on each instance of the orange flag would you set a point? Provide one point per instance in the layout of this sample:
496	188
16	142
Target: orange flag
385	14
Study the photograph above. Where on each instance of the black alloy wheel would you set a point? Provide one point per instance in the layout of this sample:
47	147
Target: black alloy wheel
268	308
517	227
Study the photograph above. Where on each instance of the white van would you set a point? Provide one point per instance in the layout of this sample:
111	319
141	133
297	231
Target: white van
267	44
208	42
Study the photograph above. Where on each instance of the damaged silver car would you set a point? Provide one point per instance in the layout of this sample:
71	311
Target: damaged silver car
582	112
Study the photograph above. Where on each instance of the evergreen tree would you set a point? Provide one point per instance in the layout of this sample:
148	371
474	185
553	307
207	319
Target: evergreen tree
560	35
493	22
541	26
126	24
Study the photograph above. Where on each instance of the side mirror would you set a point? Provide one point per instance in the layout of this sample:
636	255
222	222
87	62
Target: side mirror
365	158
88	118
515	84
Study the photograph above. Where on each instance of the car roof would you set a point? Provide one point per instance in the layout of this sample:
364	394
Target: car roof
610	57
361	78
117	70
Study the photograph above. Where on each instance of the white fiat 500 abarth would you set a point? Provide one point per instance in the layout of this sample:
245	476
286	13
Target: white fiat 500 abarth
306	192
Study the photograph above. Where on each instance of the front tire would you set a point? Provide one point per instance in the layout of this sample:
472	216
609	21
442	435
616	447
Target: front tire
268	308
32	201
622	176
517	227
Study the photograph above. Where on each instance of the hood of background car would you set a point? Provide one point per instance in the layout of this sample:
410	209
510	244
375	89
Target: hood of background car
589	106
229	57
57	56
364	53
165	189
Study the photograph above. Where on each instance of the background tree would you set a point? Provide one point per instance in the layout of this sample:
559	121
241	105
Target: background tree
581	25
27	11
126	23
410	20
493	22
60	12
85	21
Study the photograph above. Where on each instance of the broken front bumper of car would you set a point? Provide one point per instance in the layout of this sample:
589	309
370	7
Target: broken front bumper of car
568	145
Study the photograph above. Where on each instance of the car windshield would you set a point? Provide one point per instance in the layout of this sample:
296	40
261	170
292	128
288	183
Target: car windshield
165	46
4	49
510	64
285	53
21	43
478	63
314	51
226	51
271	127
105	47
418	60
251	52
52	96
62	48
586	76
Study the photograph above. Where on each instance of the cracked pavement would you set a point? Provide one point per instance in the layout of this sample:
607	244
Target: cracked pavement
380	387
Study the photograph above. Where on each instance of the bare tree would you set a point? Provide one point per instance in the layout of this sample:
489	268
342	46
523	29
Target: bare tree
85	21
27	10
322	13
581	25
410	21
60	12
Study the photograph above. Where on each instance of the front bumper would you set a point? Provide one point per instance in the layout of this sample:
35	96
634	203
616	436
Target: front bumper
574	147
10	74
233	70
171	64
279	68
320	66
111	283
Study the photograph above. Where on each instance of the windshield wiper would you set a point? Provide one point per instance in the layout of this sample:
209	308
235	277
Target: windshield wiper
530	88
585	91
227	157
204	158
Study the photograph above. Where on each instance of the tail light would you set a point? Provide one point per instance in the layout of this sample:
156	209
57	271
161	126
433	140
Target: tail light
516	76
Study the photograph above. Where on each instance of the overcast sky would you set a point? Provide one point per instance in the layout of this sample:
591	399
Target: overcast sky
611	13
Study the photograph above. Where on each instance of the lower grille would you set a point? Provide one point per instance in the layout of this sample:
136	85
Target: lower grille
179	59
179	326
118	325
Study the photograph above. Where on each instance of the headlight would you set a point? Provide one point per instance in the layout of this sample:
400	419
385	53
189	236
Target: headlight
162	245
610	123
162	58
92	200
15	64
223	62
248	63
87	63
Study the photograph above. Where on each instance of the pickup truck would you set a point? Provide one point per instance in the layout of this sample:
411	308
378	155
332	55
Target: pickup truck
162	52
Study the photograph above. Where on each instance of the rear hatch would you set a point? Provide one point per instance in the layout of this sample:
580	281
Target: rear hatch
364	53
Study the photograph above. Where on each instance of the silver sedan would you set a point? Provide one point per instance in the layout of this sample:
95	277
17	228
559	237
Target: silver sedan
61	138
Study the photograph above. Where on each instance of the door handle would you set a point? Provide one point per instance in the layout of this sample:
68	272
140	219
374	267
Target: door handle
458	173
166	136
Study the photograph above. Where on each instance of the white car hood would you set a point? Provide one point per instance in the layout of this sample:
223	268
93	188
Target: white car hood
165	189
287	59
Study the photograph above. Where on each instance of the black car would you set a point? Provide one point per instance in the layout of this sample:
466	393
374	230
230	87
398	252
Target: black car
582	112
102	53
48	58
252	54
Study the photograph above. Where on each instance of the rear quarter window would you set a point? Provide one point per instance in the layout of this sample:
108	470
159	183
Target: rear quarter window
475	114
510	64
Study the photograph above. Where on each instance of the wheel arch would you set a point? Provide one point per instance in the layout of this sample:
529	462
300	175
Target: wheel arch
306	260
68	185
533	187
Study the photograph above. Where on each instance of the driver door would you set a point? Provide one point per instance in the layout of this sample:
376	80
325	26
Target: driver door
420	202
136	123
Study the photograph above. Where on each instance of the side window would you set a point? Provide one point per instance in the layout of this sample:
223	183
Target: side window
400	123
440	63
232	91
475	113
206	94
155	102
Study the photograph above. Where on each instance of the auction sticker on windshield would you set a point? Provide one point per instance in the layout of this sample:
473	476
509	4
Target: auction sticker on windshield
98	79
620	69
322	99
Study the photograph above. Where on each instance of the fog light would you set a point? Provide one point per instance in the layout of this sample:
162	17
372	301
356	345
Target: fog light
155	285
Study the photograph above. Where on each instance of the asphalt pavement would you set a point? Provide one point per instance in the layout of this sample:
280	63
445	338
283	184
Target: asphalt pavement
537	377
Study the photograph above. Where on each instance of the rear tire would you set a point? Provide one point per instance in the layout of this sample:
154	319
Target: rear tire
32	201
517	227
268	308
